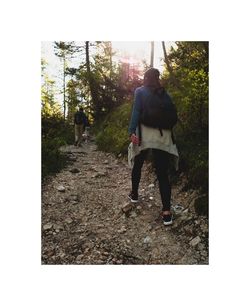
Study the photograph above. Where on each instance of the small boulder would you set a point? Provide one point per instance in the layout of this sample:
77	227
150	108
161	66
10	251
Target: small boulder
195	241
127	207
58	228
68	220
47	226
61	188
147	240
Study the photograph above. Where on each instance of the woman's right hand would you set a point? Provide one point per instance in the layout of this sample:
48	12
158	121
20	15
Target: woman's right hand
134	139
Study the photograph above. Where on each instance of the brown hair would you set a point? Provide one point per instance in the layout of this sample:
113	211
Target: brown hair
152	78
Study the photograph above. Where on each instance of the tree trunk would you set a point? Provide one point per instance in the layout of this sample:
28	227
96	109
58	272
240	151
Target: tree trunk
170	69
64	102
152	55
110	50
92	85
110	59
172	76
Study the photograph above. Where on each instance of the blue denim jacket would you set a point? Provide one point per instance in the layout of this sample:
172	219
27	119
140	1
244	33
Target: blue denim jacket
141	93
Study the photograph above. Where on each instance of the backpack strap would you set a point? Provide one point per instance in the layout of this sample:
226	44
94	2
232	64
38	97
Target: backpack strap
143	102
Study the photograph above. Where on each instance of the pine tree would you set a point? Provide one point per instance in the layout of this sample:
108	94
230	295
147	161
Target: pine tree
65	51
49	104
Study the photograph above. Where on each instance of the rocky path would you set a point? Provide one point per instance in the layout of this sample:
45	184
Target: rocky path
88	219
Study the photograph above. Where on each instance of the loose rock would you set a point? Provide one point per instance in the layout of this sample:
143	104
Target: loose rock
129	233
58	227
48	226
147	240
68	220
127	207
61	188
195	241
122	230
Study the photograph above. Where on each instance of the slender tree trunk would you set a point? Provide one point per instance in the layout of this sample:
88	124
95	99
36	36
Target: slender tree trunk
152	55
170	69
172	76
110	74
64	102
110	50
92	87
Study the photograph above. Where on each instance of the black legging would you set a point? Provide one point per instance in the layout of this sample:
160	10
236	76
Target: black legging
161	161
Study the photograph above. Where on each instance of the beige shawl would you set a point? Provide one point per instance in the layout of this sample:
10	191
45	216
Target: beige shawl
151	139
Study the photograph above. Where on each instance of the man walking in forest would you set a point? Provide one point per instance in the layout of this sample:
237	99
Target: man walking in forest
152	120
80	122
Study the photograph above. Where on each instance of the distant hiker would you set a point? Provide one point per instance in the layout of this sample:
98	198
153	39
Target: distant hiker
152	120
80	122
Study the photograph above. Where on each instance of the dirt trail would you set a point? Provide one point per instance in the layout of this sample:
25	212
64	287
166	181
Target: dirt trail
88	219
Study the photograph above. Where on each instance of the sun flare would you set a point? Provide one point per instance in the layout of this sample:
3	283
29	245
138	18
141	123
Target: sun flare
135	52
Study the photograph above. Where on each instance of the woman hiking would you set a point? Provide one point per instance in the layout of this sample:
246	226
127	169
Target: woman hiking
150	127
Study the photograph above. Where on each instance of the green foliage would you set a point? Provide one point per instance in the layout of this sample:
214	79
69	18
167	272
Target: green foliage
193	150
50	107
201	205
64	49
55	133
113	131
112	83
73	99
56	127
190	66
52	159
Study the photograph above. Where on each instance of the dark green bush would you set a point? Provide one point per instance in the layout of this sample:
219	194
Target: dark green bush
112	133
54	127
52	159
201	205
55	133
193	150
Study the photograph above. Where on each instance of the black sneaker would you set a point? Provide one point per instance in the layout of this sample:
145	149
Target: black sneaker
167	219
133	198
